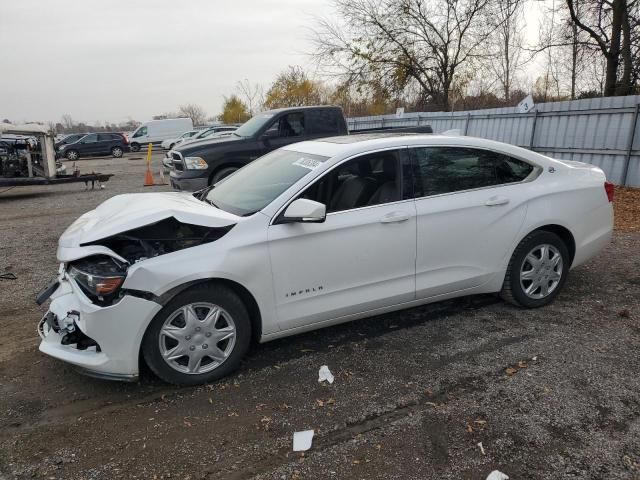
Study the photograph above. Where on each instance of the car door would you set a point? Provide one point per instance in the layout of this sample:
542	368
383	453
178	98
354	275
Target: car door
361	258
470	206
104	144
89	144
284	130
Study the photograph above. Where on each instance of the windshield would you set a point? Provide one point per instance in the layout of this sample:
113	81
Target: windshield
255	186
249	128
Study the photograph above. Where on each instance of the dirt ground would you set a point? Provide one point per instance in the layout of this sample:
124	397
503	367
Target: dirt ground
453	390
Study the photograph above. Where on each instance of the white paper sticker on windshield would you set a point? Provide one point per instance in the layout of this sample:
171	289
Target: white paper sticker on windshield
309	163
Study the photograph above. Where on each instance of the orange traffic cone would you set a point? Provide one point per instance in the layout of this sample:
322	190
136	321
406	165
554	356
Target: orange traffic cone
148	178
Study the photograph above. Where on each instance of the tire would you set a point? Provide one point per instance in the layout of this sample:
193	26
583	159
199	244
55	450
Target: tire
222	173
135	147
72	155
117	152
170	333
527	274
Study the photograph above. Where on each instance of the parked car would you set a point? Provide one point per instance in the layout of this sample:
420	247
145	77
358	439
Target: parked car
311	235
71	138
213	132
169	143
114	144
156	131
200	163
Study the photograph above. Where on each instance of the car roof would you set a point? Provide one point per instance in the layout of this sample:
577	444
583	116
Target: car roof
308	107
349	145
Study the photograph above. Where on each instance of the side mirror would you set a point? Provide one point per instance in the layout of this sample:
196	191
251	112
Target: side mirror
303	210
269	134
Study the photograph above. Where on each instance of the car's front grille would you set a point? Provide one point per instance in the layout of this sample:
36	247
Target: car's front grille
178	163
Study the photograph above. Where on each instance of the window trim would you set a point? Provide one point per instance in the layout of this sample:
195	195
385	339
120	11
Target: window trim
401	149
535	173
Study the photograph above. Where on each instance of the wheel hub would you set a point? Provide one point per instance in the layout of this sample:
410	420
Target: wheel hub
541	271
197	338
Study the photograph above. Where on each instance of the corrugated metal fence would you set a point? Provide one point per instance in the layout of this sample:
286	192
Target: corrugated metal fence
601	131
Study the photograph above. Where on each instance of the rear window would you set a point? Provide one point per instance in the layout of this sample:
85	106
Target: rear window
323	121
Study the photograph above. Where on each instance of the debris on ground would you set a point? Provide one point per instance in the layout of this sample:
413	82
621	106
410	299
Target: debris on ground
497	475
302	440
481	448
8	276
625	209
325	374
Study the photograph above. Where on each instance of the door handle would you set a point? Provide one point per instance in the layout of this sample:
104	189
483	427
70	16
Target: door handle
494	201
395	217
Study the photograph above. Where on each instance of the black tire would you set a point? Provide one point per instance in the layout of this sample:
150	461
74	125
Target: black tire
117	152
220	296
72	155
135	147
512	288
222	173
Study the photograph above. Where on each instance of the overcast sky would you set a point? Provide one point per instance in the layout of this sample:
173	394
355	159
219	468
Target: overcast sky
106	60
110	59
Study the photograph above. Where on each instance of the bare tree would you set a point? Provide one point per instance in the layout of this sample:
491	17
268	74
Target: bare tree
195	112
67	121
398	42
608	24
508	58
253	95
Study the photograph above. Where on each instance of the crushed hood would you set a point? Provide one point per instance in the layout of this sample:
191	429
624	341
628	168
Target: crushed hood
127	212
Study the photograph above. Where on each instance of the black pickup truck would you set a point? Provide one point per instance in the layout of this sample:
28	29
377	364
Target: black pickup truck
199	164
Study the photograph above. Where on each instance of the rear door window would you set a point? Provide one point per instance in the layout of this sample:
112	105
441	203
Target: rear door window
439	170
323	121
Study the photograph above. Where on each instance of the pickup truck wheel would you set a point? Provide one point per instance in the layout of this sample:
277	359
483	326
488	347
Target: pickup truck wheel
200	336
135	147
537	270
222	173
116	152
71	155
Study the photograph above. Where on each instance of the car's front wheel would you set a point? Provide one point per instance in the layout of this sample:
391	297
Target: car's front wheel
537	270
71	155
135	147
200	336
116	152
222	173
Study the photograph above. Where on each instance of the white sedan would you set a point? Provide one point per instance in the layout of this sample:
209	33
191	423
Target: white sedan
169	143
311	235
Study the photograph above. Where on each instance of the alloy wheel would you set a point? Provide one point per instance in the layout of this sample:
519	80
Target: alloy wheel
541	271
197	338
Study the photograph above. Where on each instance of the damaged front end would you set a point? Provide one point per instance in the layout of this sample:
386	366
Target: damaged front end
94	321
166	236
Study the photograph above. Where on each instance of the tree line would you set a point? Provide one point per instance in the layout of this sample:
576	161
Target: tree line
432	55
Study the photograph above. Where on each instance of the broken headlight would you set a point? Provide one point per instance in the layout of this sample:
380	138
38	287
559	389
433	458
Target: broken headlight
100	277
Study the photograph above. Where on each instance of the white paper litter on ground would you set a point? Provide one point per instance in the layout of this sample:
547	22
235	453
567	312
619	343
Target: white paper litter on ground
497	475
325	374
481	447
302	440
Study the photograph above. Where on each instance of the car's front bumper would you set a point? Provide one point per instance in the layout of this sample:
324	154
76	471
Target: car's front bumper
117	329
189	180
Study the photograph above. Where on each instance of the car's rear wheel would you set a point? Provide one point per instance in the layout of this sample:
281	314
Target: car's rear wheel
201	335
537	270
222	173
71	155
135	147
116	152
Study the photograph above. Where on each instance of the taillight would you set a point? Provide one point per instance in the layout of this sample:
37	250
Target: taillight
609	188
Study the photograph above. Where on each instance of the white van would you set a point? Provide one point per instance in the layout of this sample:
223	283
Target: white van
155	131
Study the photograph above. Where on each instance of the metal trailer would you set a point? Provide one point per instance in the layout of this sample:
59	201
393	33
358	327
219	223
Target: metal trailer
45	173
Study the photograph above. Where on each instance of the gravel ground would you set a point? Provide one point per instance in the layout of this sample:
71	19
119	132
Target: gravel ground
549	393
